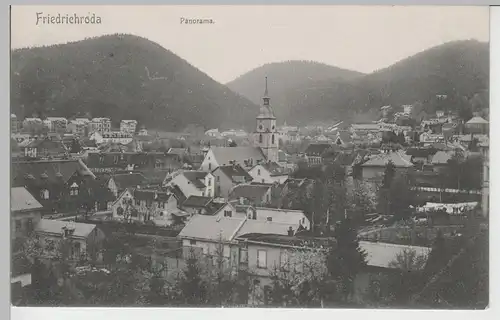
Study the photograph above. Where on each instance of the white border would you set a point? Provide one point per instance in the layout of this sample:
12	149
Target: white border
217	314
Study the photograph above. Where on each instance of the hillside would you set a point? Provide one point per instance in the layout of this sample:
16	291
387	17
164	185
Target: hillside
458	69
122	77
284	78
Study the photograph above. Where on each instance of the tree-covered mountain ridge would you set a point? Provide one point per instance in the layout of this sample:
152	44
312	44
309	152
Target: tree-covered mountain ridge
458	69
122	76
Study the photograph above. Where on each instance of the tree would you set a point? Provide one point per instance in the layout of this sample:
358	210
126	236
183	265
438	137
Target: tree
438	257
233	144
75	147
193	288
347	259
389	173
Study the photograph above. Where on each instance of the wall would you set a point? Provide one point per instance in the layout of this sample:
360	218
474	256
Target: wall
23	217
209	163
223	184
210	186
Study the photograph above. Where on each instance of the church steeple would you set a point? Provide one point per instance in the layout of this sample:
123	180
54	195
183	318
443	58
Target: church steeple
266	96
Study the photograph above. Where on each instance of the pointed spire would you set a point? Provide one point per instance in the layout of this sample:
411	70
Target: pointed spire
265	92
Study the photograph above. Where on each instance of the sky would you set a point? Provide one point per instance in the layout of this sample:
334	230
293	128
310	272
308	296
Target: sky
361	38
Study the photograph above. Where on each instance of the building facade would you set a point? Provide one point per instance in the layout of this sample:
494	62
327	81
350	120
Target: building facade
128	126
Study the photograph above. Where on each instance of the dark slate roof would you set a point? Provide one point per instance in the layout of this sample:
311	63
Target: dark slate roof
249	191
294	240
235	173
196	178
224	155
140	159
178	193
46	171
420	152
317	149
197	202
127	180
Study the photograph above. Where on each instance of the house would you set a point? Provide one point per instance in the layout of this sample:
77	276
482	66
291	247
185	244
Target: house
118	182
181	152
128	126
78	127
315	151
100	125
477	125
44	148
211	236
226	177
255	194
381	260
97	137
116	137
365	127
269	172
148	205
265	254
192	182
49	181
343	138
25	212
214	133
374	167
439	113
85	240
246	157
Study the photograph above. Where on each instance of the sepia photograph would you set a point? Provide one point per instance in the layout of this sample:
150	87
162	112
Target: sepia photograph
263	156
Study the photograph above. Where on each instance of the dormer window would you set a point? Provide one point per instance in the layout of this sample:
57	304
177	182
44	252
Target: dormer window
44	194
73	189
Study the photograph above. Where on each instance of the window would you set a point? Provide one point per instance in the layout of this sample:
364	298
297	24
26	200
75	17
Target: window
44	194
137	202
262	259
263	180
260	138
192	242
73	191
218	178
115	160
284	260
18	225
209	182
227	252
209	166
228	213
258	172
243	255
272	139
30	224
269	218
76	252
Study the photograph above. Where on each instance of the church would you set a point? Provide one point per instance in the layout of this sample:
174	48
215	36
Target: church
265	144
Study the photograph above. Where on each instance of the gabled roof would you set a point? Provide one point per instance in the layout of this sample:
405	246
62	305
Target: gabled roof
126	180
235	173
224	155
477	120
197	178
56	227
211	228
421	152
22	200
381	254
317	149
380	160
197	202
250	191
177	151
292	217
344	136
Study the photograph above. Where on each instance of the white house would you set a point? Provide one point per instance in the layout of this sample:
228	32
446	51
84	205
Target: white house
128	126
268	172
97	137
117	137
192	183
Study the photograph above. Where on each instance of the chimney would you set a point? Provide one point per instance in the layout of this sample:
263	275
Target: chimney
290	231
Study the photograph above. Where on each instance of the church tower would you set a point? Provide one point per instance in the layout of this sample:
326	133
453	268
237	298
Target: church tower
266	134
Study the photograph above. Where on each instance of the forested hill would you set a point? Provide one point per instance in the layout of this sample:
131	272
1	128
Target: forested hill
122	77
457	69
283	79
